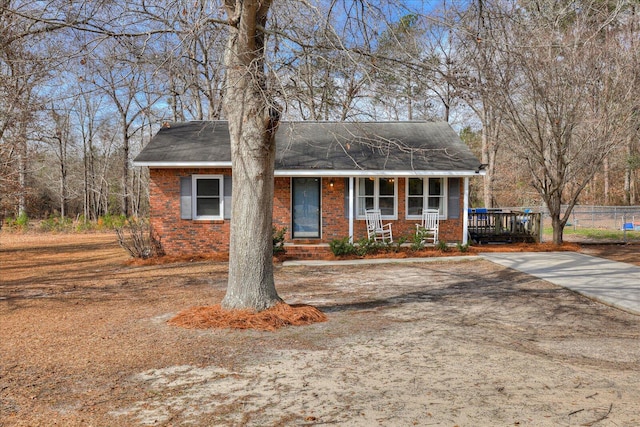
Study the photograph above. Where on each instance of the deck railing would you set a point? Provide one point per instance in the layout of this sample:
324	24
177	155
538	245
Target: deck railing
497	225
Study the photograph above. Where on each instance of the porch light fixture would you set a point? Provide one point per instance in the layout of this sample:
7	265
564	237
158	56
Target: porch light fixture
331	183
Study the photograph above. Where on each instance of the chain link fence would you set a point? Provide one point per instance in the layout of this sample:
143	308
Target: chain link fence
605	217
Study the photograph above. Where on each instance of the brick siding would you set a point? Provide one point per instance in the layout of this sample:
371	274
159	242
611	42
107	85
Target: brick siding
184	236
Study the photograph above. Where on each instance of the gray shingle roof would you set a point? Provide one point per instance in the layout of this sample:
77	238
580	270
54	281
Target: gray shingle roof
322	147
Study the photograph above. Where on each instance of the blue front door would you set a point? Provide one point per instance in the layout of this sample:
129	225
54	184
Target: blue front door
306	207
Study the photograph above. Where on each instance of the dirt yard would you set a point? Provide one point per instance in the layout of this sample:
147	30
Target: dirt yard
84	342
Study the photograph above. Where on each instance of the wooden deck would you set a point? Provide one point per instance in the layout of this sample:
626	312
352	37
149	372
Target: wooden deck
499	226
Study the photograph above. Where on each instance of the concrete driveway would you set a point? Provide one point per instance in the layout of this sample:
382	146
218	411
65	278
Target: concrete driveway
610	282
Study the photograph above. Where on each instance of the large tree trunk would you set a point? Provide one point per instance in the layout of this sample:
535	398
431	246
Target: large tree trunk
252	126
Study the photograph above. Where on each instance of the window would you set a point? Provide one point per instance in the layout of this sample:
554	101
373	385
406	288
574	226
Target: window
207	197
377	193
425	193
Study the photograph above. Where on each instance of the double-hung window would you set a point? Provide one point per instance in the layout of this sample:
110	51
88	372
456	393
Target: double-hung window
426	193
377	193
202	197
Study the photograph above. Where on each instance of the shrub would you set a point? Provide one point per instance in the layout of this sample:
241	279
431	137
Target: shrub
417	240
395	246
56	223
21	223
463	248
113	221
136	236
368	247
442	246
83	224
340	247
278	240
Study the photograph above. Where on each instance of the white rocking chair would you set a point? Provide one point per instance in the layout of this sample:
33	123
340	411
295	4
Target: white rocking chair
429	227
375	229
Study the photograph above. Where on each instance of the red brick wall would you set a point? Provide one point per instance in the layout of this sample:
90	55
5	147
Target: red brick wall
181	236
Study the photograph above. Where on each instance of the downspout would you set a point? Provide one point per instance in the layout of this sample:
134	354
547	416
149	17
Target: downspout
351	191
465	213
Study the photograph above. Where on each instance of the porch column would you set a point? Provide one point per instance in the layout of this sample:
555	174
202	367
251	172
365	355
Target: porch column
465	212
351	192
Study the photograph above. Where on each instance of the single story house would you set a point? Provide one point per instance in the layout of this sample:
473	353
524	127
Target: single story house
326	175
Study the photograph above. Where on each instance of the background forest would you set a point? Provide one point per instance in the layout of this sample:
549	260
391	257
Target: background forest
547	93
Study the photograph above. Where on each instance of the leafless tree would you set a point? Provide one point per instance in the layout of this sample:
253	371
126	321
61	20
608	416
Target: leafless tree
253	122
566	108
119	74
57	133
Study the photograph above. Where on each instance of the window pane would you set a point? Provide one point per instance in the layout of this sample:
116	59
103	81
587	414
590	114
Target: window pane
208	206
416	187
415	205
366	186
208	187
387	187
369	201
386	206
365	203
435	203
435	186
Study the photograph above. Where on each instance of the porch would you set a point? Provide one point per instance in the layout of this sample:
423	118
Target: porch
503	226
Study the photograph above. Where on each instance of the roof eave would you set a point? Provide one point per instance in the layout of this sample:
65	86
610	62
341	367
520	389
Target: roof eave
394	173
317	172
173	165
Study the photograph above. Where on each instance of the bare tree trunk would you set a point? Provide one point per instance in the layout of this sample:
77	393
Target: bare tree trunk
487	182
125	169
63	185
252	126
490	134
628	171
554	203
22	168
605	172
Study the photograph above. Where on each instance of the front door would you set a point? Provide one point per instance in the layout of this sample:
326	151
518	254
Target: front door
306	207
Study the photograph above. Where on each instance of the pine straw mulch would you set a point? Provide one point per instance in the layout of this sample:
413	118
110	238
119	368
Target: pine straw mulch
527	247
271	319
404	252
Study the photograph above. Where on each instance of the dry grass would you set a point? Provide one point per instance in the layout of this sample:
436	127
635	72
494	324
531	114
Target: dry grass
85	341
